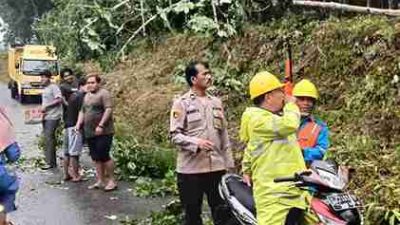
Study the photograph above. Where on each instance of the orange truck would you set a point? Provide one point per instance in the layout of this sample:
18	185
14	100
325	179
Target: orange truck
25	63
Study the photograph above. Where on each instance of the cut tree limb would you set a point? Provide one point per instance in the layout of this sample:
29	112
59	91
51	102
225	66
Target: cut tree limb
347	7
144	24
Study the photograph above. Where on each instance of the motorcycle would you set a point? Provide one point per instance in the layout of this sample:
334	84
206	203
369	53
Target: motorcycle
327	181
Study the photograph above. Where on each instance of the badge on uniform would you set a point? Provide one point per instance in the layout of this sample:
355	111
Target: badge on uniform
176	114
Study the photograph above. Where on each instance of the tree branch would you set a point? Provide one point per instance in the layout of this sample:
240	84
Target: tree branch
121	51
142	15
347	7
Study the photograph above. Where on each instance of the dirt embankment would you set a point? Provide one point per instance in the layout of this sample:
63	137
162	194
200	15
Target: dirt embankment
144	86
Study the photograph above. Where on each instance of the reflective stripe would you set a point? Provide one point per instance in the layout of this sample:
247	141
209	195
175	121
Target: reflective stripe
275	127
286	195
281	141
259	150
315	127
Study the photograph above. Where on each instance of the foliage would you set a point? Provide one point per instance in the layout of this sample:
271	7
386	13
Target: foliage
19	15
148	187
134	160
171	215
106	29
353	61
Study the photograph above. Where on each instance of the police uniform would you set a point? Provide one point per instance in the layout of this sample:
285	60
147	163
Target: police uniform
199	171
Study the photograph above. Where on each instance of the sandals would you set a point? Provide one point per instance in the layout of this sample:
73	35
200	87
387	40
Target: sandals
67	178
111	187
78	179
107	188
97	185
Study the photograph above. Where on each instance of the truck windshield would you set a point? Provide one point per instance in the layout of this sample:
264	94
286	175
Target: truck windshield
37	66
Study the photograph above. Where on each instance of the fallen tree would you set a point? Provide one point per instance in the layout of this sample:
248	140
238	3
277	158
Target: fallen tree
347	7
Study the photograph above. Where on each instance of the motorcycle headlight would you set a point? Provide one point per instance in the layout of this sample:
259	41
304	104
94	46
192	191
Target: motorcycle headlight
332	180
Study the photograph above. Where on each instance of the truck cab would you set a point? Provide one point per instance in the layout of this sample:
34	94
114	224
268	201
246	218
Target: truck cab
25	64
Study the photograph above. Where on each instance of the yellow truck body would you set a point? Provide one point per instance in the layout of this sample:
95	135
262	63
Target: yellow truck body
25	63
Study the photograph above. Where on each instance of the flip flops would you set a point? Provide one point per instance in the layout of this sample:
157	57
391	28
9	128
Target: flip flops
110	187
97	185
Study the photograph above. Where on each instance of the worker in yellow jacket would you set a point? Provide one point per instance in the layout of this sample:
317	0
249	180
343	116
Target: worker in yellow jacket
269	130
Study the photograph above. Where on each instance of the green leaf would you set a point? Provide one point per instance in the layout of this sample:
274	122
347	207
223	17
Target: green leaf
184	7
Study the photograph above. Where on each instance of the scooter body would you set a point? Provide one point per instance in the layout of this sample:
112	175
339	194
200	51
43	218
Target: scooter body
325	180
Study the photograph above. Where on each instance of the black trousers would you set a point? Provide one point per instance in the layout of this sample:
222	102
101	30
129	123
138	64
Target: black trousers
192	188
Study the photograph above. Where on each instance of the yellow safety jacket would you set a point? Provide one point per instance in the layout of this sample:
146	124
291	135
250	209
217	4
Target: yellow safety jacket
272	151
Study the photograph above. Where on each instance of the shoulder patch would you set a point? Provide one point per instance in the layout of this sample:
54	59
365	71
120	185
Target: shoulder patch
176	113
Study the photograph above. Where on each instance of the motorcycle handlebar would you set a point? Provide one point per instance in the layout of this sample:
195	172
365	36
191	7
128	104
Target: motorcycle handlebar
285	179
296	177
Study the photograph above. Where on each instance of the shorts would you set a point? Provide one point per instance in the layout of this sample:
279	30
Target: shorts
73	142
99	147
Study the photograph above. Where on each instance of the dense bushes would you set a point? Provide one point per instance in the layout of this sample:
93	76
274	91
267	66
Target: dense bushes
134	160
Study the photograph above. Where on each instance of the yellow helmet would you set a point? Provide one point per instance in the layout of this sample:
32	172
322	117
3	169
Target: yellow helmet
305	88
262	83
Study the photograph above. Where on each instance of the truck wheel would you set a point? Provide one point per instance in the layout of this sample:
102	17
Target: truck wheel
14	91
22	98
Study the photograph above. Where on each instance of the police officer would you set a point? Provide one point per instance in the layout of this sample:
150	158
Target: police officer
199	129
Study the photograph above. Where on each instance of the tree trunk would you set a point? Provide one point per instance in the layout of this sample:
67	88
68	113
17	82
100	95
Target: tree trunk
142	15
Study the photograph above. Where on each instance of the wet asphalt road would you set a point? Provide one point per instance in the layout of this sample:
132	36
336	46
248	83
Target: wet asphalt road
44	200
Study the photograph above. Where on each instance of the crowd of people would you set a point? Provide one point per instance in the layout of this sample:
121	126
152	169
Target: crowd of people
281	134
86	110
